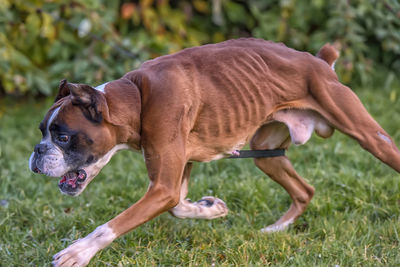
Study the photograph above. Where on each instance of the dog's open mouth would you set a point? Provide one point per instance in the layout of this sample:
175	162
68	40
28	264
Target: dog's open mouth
71	181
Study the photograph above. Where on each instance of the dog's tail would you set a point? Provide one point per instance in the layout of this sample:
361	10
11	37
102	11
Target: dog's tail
329	54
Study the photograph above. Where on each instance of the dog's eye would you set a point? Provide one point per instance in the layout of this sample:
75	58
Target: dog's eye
63	138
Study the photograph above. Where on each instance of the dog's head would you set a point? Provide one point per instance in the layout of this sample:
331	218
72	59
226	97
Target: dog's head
77	138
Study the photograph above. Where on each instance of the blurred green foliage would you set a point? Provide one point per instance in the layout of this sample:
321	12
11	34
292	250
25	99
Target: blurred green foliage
92	41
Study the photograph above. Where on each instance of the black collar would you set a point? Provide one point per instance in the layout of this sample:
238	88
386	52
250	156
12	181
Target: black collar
239	154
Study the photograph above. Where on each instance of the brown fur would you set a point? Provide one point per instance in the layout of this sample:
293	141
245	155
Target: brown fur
202	103
328	53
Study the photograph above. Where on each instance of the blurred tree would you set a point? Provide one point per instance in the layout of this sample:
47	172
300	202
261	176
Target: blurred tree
44	41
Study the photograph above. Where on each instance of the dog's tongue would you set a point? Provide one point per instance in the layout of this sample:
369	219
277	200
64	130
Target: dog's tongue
69	178
72	177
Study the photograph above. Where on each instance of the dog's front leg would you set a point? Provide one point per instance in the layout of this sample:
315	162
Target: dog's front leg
162	195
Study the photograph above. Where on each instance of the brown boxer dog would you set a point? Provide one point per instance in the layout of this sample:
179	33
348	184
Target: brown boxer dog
200	104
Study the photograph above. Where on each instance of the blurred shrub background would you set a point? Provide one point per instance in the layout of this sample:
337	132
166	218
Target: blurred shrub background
93	41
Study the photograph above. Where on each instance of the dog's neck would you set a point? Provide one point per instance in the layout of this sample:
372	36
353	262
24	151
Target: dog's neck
124	104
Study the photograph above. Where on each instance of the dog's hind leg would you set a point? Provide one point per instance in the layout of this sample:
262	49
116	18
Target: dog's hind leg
206	208
272	136
343	110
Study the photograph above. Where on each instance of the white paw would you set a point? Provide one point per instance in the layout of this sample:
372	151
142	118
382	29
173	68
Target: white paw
205	208
216	207
277	227
77	254
82	250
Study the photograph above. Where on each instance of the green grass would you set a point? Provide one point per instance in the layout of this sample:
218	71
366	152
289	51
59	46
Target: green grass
353	219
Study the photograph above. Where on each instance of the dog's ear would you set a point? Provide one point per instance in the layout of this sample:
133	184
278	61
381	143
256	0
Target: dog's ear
91	101
82	94
63	90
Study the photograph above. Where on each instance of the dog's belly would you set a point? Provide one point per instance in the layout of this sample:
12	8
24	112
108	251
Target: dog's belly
205	152
207	144
213	145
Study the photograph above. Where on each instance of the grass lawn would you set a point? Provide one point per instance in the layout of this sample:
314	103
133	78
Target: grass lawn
353	219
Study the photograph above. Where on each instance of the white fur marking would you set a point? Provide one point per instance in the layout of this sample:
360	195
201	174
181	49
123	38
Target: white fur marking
106	158
384	138
277	227
218	156
53	162
101	87
30	160
333	65
48	134
150	185
94	169
82	250
233	151
197	210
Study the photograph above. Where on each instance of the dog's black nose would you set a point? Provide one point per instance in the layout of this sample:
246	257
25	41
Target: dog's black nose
41	148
